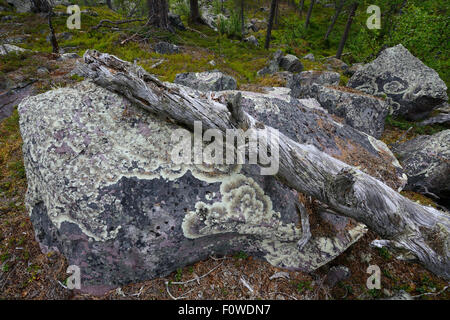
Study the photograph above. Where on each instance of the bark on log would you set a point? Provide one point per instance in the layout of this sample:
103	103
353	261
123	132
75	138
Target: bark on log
413	231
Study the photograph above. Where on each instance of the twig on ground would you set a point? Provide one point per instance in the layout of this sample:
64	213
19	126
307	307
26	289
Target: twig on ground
431	293
114	22
198	278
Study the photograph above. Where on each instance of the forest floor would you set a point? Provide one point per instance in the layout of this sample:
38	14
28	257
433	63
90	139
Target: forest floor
27	273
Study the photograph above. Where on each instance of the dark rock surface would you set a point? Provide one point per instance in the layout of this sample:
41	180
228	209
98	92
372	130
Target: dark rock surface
412	88
361	111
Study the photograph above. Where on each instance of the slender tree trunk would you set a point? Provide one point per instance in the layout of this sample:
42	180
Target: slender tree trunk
347	30
335	17
301	6
53	40
194	13
158	11
242	19
308	15
273	7
109	4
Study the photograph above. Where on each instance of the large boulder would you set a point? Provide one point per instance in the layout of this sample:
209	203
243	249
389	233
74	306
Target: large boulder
412	88
175	21
426	160
103	190
301	83
359	110
206	81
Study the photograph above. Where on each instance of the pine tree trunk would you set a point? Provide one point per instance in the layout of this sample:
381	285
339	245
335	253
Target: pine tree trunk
335	17
53	40
347	30
301	6
273	7
109	4
158	11
308	16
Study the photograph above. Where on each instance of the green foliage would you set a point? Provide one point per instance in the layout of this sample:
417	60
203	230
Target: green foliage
404	124
303	286
241	255
181	7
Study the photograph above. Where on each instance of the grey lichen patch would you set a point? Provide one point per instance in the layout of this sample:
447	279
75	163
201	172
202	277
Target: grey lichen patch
244	209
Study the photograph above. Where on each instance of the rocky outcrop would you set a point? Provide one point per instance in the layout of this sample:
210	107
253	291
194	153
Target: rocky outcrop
426	161
252	40
104	191
412	88
301	83
206	81
359	110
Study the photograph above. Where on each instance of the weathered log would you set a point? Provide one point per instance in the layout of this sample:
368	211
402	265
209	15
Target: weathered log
413	231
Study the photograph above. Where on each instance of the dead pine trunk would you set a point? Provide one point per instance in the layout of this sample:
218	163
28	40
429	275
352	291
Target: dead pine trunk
308	15
347	30
335	17
273	7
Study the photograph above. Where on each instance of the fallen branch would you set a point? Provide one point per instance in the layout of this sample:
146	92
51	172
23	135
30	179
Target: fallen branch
412	230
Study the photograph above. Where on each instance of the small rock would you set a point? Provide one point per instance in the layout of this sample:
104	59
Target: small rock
42	71
291	63
401	295
7	48
366	257
69	55
273	64
353	69
166	48
213	63
336	64
309	57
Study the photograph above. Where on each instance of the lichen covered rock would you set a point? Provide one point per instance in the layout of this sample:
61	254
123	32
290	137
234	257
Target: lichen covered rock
102	189
412	88
426	160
